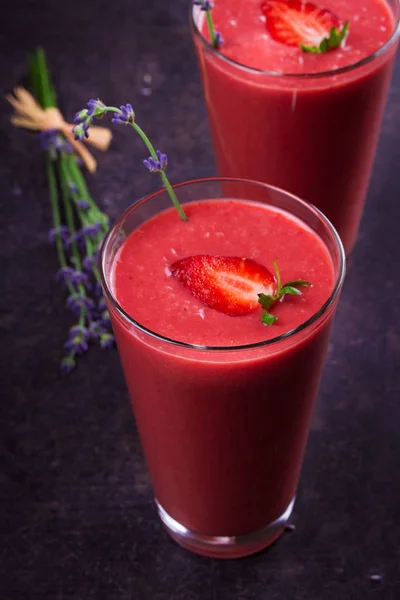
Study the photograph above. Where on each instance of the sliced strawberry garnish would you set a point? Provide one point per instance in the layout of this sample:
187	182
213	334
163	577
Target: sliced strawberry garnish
228	284
297	23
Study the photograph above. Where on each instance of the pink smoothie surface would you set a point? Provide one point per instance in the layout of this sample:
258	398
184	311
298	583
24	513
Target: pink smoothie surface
148	292
247	41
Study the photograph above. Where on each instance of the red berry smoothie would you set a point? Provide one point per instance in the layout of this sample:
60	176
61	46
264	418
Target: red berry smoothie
223	431
307	123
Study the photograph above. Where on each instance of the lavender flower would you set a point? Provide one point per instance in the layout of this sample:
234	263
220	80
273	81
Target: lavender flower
88	263
78	302
81	116
105	318
77	339
156	163
102	305
82	203
156	166
128	115
92	229
98	291
51	140
65	274
78	277
80	131
63	232
106	340
95	108
72	186
67	364
95	329
205	4
219	40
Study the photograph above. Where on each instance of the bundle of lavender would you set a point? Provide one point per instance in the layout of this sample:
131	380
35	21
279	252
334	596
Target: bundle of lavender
78	224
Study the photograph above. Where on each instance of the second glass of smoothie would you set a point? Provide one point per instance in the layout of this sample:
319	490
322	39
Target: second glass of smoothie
307	123
222	403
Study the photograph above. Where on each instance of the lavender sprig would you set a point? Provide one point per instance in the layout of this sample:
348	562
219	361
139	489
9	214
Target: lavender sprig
78	228
215	36
156	163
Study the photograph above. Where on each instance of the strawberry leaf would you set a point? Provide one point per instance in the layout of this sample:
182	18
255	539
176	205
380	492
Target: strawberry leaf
288	289
266	301
298	283
268	319
334	40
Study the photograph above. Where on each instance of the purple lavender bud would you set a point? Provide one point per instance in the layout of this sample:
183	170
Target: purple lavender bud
78	277
65	274
106	340
88	263
82	203
102	305
62	231
48	139
78	330
98	290
72	186
127	116
95	330
163	160
81	116
76	344
156	166
67	364
105	318
96	108
219	40
92	229
77	302
68	147
77	339
79	132
205	5
58	142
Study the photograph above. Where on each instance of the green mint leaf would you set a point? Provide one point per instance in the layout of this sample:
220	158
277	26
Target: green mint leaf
330	43
278	276
266	301
268	319
310	49
298	283
288	289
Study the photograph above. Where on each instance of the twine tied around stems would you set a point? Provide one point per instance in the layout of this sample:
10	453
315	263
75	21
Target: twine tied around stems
30	115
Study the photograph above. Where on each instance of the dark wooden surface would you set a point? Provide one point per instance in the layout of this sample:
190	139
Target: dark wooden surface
76	513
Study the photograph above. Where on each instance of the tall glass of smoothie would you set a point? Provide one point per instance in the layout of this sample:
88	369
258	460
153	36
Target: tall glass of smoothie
305	122
222	400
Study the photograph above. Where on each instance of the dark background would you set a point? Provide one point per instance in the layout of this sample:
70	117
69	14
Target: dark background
76	513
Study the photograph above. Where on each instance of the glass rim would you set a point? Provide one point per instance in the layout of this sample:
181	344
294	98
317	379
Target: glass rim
264	343
319	74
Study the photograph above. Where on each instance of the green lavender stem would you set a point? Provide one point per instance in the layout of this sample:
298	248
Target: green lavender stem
69	217
163	176
211	29
153	153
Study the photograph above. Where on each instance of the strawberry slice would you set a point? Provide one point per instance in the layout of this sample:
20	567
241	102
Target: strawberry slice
229	284
297	23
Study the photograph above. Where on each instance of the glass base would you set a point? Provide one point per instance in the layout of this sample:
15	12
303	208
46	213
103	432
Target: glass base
235	546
